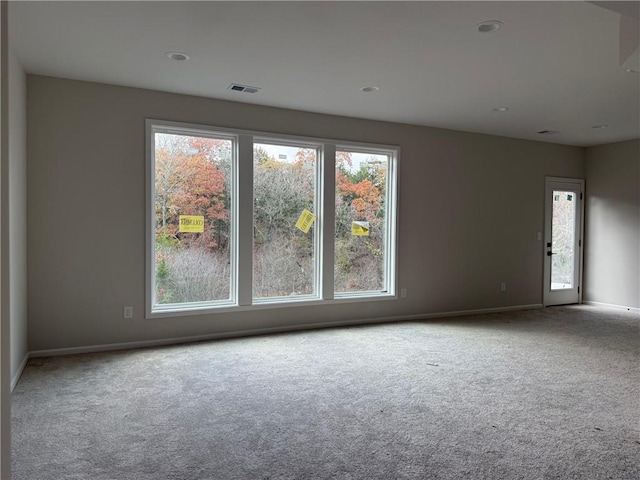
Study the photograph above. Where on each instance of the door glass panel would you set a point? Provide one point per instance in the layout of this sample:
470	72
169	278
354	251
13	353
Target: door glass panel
563	240
284	245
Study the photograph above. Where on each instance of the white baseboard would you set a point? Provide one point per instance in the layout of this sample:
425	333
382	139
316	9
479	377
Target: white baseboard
16	376
480	311
261	331
612	305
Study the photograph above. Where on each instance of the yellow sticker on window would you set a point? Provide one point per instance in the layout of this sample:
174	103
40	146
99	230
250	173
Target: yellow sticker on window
305	221
360	229
191	223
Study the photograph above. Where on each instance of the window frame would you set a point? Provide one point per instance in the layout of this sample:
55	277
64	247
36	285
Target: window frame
170	309
317	231
390	220
242	217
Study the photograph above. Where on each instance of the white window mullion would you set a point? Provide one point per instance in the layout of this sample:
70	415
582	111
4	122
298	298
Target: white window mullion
244	220
391	274
150	219
328	220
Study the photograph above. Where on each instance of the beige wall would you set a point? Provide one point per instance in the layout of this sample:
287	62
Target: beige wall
17	213
612	224
5	343
470	208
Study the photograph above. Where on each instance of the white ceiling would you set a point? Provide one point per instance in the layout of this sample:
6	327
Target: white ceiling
554	64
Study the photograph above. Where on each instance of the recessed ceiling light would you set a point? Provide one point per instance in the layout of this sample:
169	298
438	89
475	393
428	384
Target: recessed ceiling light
501	109
489	26
177	56
600	126
369	89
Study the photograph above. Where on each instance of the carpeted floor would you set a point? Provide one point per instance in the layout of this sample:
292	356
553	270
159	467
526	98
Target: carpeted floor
540	394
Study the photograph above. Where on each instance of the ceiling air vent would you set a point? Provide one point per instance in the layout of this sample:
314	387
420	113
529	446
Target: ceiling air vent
236	87
548	132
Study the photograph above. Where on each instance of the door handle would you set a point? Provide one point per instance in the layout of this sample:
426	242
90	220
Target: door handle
550	253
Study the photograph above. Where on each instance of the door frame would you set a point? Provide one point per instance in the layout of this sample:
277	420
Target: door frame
579	184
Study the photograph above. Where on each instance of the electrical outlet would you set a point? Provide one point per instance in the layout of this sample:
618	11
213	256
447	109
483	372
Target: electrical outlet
503	287
127	312
403	293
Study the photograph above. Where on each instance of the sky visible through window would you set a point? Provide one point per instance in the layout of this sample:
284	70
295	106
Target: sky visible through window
357	159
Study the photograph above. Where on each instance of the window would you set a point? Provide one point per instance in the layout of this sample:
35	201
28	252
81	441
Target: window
240	219
284	186
362	223
192	261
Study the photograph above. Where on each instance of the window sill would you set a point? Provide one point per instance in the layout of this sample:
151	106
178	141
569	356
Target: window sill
209	308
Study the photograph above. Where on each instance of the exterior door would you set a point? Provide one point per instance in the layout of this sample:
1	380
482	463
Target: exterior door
564	215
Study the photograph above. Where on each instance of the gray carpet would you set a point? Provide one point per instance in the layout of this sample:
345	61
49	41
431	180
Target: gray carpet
540	394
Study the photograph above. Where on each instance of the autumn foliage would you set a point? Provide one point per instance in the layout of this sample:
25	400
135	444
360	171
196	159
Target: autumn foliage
193	177
190	180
